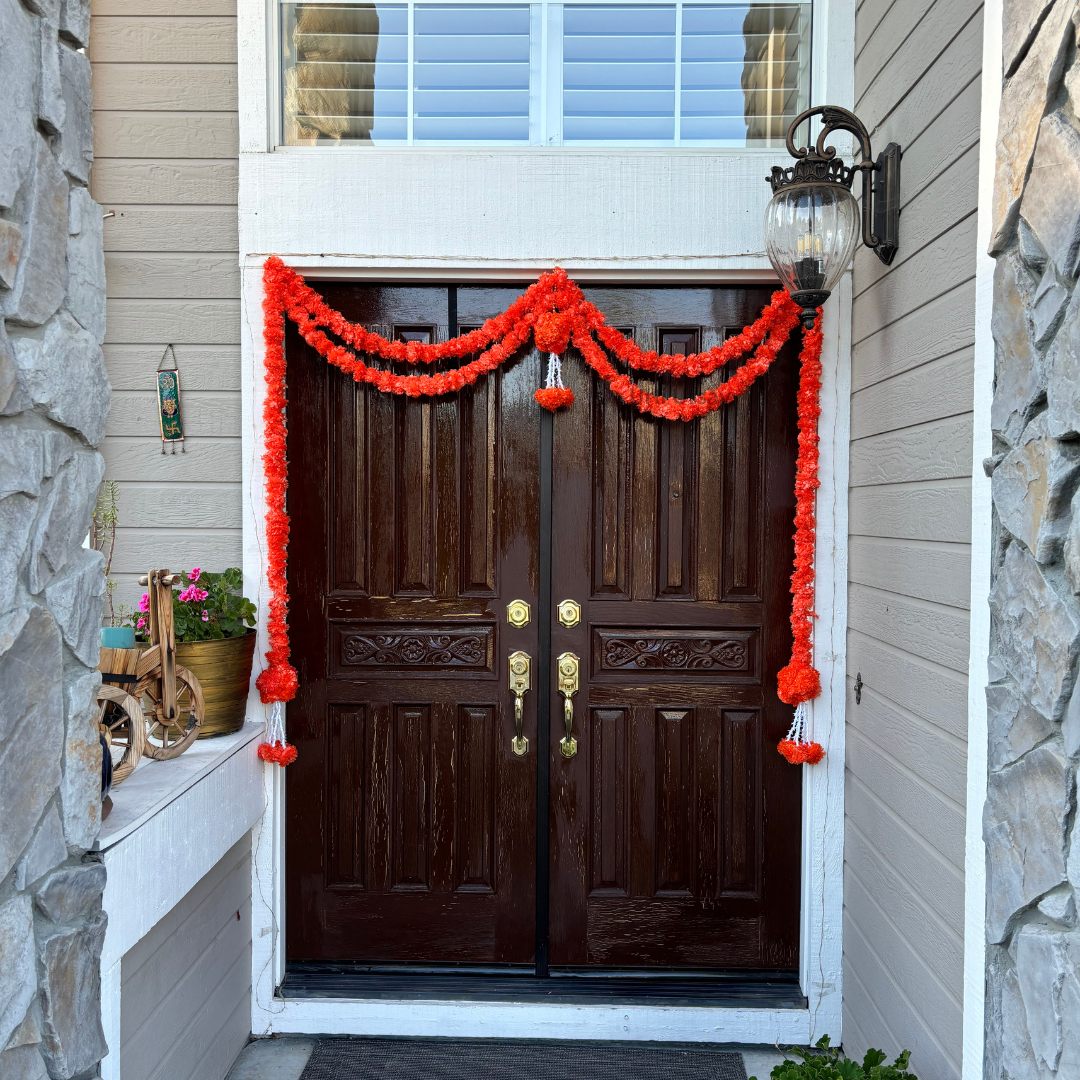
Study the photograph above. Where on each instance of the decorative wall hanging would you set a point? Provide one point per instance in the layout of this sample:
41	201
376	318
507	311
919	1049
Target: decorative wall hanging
555	314
170	416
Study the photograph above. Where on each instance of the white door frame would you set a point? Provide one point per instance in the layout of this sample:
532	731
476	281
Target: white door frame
981	560
311	208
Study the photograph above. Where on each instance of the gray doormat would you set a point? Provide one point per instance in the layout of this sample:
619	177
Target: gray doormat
491	1059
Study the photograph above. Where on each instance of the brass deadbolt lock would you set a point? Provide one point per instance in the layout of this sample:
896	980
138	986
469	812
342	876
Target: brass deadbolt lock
518	613
569	613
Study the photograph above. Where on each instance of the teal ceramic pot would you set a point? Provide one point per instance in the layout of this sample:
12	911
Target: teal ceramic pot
118	637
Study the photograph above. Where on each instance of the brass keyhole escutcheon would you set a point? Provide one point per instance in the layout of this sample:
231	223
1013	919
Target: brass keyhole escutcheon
569	613
520	665
568	666
518	613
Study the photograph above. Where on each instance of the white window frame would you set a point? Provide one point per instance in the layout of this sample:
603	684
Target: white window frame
681	215
545	122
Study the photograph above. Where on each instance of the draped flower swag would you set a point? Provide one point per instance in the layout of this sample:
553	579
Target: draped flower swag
554	313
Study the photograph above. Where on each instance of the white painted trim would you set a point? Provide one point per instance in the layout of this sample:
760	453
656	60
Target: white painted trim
307	207
110	1019
821	940
981	554
823	787
543	1020
156	784
677	210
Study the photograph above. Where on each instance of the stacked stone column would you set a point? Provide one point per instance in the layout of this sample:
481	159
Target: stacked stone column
54	398
1033	843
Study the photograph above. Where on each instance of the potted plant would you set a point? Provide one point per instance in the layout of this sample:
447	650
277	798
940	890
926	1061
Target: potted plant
117	633
826	1062
215	640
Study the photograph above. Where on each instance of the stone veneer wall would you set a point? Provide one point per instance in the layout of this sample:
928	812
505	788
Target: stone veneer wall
1033	844
54	396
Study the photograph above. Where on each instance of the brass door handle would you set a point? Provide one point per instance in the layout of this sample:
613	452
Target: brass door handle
568	668
520	672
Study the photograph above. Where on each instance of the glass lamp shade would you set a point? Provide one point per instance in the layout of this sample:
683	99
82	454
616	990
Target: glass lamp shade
811	233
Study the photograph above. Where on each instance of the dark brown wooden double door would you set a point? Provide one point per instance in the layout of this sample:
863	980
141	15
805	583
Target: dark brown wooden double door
416	835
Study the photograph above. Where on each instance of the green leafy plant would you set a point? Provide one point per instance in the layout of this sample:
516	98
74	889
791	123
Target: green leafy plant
827	1062
209	607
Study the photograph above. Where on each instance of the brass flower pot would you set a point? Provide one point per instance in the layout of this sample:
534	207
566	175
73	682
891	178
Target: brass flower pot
223	669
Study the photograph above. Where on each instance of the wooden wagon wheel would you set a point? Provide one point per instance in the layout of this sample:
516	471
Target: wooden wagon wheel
170	738
121	721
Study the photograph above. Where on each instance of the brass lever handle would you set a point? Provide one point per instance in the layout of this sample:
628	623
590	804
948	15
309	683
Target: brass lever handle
520	671
568	668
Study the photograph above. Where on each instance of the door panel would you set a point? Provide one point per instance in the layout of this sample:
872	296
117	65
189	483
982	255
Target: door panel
411	824
674	831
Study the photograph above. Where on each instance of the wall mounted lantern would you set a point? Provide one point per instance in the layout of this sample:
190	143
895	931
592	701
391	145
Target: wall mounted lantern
812	222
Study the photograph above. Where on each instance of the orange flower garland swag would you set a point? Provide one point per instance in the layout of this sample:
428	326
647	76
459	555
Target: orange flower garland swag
799	682
553	313
277	682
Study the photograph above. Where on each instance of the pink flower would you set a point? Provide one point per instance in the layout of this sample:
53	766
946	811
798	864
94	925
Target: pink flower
205	616
193	595
195	574
140	623
144	602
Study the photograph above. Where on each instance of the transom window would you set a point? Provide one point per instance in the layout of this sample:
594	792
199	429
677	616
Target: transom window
690	73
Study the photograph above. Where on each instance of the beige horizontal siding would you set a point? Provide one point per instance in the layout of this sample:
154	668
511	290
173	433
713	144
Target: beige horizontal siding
899	402
169	276
165	138
209	367
925	688
198	182
185	987
934	510
944	325
163	37
920	568
937	450
195	88
917	83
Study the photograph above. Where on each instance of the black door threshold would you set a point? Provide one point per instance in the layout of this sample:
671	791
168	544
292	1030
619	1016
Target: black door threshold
742	989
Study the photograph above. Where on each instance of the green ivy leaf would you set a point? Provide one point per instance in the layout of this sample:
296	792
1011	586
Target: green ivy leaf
827	1062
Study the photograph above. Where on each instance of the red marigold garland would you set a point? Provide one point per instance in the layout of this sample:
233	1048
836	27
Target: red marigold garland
277	682
553	312
799	682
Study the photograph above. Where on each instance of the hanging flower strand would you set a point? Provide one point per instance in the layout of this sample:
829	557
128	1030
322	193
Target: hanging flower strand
799	682
277	682
554	313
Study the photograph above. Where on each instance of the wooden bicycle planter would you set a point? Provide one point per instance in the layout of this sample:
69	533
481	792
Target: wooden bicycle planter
149	706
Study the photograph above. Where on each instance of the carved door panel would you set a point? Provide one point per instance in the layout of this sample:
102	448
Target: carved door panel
411	823
674	831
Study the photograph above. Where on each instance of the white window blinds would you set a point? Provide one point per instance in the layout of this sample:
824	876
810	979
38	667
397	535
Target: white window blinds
599	73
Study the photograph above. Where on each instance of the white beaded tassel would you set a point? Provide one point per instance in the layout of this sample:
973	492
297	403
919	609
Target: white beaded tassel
797	731
275	724
553	379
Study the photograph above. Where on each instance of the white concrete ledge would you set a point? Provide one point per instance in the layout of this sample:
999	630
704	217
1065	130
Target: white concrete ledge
155	784
171	823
